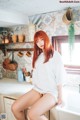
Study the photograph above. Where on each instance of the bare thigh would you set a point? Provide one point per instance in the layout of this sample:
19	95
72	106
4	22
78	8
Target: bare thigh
44	104
27	100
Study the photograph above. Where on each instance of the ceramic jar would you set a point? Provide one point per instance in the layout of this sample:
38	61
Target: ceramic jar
21	38
14	38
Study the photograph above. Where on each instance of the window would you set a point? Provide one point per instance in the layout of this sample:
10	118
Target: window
71	61
72	58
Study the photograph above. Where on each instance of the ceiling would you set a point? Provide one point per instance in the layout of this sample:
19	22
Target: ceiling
26	8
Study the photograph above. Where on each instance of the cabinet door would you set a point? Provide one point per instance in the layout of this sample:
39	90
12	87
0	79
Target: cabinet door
8	102
1	103
54	115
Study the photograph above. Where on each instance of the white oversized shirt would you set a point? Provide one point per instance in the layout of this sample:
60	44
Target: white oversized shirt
46	76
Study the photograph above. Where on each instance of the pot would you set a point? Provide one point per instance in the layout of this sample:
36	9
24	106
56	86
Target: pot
6	63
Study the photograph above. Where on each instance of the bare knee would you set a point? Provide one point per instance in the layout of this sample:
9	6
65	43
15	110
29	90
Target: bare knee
14	108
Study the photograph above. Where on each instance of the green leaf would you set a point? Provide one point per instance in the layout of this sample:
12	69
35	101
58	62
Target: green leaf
71	36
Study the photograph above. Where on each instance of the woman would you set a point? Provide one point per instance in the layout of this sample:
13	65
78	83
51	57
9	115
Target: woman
48	73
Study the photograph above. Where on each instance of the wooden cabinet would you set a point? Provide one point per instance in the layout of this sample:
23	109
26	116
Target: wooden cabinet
7	106
54	114
7	103
1	104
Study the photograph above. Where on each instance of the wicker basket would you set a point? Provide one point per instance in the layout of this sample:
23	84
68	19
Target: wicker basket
67	17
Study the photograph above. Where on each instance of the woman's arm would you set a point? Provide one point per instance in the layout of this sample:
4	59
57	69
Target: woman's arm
59	87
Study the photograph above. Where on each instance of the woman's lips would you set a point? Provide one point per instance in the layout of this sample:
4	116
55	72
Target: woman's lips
42	46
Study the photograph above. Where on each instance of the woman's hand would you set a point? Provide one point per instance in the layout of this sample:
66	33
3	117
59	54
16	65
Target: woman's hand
59	100
59	87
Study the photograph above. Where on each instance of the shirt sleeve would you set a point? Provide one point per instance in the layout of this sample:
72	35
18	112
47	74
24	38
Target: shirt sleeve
60	73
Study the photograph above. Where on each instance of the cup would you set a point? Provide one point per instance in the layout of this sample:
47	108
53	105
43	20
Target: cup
20	54
27	78
28	53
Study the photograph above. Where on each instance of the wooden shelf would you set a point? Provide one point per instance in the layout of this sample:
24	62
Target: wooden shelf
4	49
16	43
20	49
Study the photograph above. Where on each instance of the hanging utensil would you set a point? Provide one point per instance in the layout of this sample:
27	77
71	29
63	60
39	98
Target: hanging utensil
13	64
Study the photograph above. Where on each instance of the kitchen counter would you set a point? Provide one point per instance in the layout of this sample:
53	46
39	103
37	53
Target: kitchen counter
12	88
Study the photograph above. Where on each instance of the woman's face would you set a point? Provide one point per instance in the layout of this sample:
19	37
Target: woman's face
40	43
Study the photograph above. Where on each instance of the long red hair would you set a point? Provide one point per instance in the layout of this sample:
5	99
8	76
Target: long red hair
48	48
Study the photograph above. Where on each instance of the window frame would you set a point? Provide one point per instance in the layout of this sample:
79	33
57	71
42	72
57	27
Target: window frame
56	42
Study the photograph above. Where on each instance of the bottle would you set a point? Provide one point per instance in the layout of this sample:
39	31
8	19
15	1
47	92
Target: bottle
23	76
1	75
20	76
23	71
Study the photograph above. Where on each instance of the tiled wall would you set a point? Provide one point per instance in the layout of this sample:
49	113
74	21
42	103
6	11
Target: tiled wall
24	61
53	24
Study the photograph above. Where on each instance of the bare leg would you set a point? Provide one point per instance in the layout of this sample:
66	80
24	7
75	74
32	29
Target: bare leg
24	102
38	109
